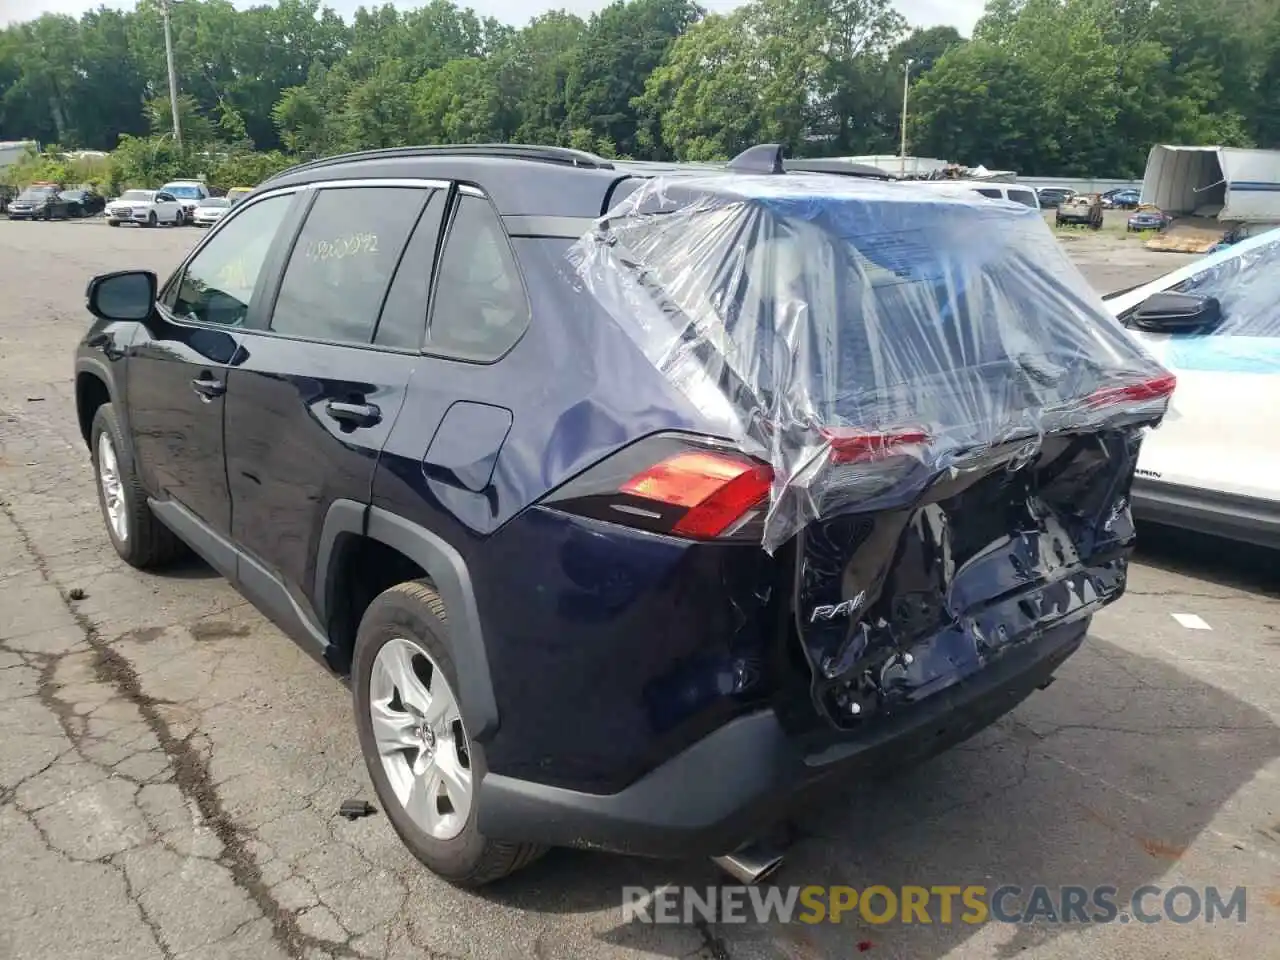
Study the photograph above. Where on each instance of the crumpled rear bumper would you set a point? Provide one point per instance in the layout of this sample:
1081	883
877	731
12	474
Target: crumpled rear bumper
742	778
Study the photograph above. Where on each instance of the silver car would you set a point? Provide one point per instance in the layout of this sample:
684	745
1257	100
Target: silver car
210	211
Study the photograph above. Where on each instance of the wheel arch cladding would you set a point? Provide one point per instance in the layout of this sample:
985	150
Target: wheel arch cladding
448	573
91	393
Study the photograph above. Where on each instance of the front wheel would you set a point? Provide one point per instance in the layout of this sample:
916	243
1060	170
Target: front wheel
151	219
140	539
425	768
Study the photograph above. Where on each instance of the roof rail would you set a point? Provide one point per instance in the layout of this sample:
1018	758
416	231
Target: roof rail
840	167
514	151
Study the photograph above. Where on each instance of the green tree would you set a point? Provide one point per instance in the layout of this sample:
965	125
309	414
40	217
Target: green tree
621	47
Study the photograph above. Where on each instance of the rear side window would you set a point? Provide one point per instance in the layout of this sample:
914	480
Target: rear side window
988	192
480	309
1024	197
342	262
404	315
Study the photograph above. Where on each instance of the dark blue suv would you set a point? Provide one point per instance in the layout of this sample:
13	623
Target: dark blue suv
631	501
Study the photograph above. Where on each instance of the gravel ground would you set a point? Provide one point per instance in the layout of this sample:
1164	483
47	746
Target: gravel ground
170	765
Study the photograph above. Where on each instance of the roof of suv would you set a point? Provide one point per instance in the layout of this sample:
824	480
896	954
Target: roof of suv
525	181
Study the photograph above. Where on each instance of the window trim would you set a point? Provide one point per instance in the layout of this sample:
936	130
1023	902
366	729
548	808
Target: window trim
442	229
450	216
176	277
258	321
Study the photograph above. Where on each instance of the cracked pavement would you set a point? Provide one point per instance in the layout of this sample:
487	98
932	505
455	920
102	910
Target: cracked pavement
171	765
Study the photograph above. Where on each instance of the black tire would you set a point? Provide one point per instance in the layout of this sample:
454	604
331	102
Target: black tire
152	219
414	611
148	543
113	223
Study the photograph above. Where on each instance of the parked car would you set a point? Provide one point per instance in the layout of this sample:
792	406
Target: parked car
236	194
146	208
1147	219
210	211
40	201
1214	466
189	193
83	202
7	193
1051	197
1084	209
640	605
1121	199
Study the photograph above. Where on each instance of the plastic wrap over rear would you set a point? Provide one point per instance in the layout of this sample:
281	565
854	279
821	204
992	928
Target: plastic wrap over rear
862	337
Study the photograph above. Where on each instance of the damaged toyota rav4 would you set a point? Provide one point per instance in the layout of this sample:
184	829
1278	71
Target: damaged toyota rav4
631	502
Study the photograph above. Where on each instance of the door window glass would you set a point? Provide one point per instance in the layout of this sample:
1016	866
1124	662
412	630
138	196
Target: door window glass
480	309
988	192
218	283
343	260
404	315
1024	197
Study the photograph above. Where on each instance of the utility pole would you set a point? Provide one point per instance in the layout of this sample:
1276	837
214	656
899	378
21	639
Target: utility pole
906	86
173	76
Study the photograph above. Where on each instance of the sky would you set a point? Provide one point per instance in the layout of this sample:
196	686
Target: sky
961	14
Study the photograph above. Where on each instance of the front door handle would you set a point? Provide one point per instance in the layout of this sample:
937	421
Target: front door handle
353	414
208	387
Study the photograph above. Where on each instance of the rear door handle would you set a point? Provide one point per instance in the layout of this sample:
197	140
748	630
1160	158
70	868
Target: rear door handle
355	414
208	387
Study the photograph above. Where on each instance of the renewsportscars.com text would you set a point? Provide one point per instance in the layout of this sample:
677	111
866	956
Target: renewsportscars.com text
939	904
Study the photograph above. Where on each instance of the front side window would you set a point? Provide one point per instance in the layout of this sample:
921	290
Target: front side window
1024	197
480	308
218	283
988	192
343	260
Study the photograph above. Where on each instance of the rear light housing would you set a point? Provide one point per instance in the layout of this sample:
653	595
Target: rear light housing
1143	392
677	485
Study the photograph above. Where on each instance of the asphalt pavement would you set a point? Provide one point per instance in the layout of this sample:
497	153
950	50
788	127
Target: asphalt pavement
171	766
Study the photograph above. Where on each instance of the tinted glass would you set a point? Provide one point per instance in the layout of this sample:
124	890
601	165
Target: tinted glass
988	192
342	262
480	309
1025	197
185	192
404	315
218	283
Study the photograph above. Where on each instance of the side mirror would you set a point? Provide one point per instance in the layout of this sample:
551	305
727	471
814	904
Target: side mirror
1176	313
126	295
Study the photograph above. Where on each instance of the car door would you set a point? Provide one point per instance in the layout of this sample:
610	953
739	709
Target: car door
1225	411
177	369
167	208
315	397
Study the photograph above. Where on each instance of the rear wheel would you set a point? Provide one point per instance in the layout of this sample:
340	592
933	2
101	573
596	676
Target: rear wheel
141	540
424	766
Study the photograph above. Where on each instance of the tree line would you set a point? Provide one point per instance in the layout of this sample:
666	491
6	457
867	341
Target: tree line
1066	87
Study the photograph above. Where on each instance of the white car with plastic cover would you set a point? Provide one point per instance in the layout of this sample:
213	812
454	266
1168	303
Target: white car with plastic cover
1214	466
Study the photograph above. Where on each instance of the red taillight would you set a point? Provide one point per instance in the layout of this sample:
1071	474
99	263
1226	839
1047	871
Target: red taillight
1152	389
717	491
848	446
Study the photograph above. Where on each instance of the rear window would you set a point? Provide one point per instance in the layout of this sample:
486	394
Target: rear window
873	313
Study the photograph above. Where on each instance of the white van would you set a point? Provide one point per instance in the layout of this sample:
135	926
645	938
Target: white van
1017	192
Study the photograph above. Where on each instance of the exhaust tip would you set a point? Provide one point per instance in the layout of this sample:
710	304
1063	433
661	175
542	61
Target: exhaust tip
751	865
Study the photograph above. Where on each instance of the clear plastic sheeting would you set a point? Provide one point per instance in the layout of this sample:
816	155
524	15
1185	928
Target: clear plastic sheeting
1248	287
863	338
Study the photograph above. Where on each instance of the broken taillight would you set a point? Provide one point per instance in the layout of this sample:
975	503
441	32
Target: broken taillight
852	446
1156	388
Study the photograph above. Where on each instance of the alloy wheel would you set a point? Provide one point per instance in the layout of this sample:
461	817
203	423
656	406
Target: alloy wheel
112	488
421	742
